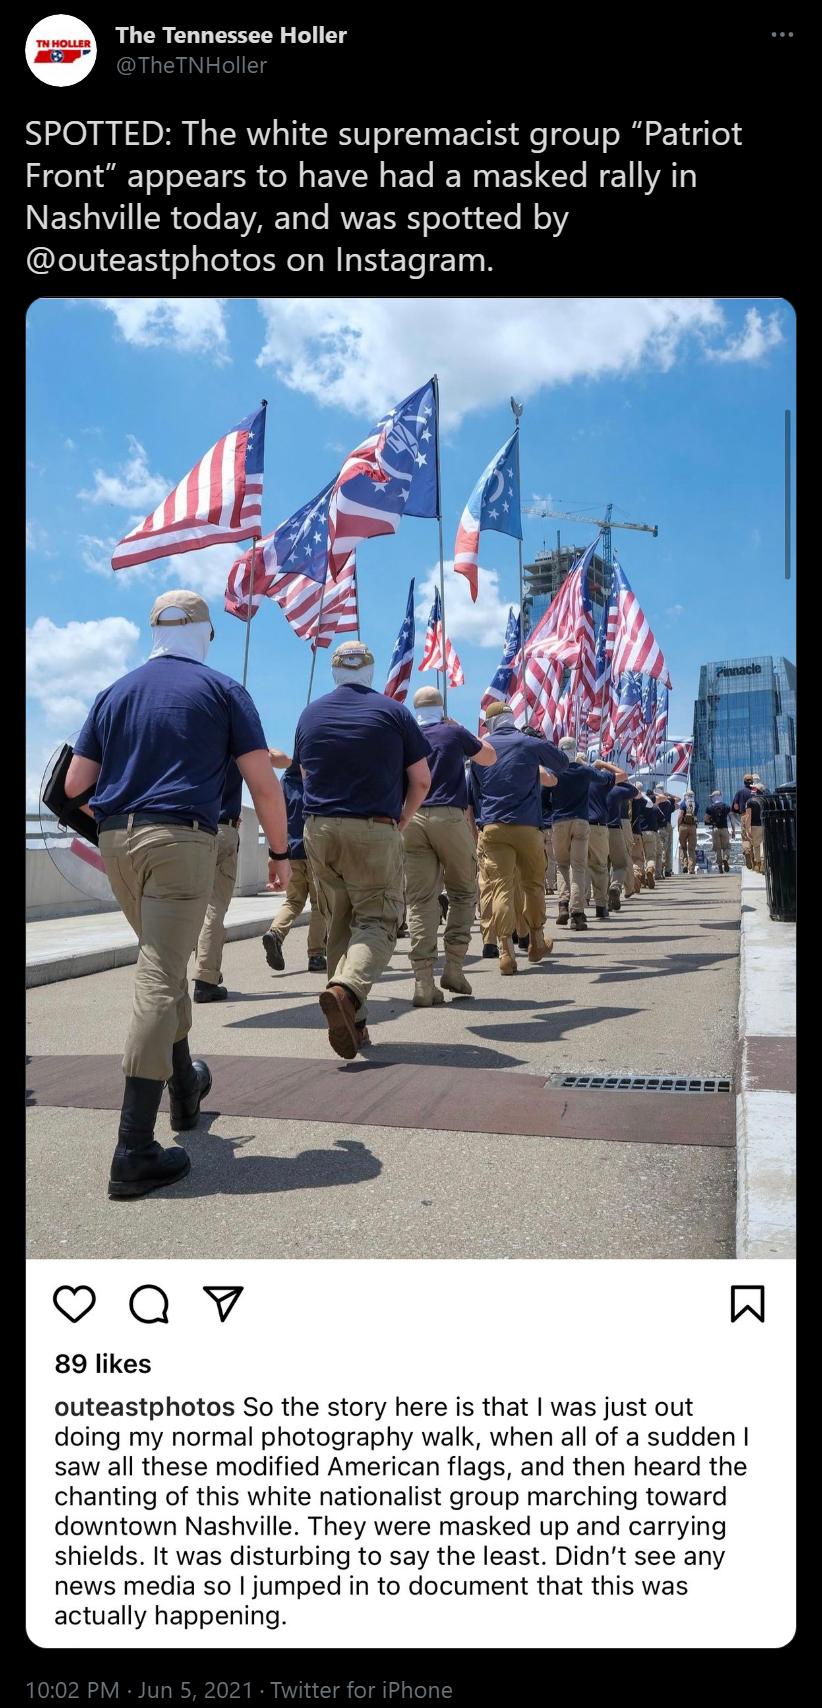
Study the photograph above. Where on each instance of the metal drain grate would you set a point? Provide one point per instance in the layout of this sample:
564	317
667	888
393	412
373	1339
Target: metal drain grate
639	1082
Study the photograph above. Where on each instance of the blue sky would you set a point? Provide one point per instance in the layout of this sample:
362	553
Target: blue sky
673	409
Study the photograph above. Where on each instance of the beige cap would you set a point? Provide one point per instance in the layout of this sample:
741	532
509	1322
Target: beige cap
428	697
755	778
496	708
182	606
352	655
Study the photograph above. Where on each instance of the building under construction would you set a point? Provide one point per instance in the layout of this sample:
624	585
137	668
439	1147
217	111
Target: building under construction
543	578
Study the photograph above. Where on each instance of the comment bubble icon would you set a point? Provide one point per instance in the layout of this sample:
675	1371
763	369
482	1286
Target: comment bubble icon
149	1304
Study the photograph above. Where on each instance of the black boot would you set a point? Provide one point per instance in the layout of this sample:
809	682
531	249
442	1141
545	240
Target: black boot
523	943
139	1164
490	952
209	992
602	913
190	1082
317	963
578	922
273	946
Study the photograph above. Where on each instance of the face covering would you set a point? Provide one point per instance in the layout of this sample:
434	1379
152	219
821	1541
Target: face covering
188	640
429	715
503	720
358	678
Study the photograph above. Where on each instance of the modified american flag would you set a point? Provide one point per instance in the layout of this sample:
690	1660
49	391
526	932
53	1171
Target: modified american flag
494	503
289	567
605	691
433	656
628	717
392	474
635	646
402	658
219	502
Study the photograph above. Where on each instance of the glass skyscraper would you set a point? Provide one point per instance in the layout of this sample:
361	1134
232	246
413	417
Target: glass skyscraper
744	720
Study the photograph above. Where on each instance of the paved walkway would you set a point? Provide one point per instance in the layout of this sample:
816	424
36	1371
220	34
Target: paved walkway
452	1138
86	943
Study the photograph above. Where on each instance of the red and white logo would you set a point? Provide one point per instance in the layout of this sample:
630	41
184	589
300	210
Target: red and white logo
60	50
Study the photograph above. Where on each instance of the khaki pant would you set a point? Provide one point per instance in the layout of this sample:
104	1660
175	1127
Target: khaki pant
650	849
757	836
619	851
550	860
301	889
598	863
687	847
510	852
721	840
439	849
162	878
212	937
665	848
571	850
486	896
357	866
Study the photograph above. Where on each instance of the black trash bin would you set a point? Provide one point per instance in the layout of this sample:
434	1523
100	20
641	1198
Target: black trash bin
779	823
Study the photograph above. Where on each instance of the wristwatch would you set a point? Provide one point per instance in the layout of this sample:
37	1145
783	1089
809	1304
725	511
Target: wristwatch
273	856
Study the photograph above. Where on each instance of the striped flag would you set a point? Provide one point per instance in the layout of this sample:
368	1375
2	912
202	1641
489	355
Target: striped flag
494	503
402	658
500	685
635	647
584	673
541	662
219	502
432	652
393	473
298	547
628	718
658	730
605	696
298	597
676	760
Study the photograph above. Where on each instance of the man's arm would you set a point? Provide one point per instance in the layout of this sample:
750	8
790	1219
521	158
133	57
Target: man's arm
81	776
487	755
419	782
547	778
269	803
279	759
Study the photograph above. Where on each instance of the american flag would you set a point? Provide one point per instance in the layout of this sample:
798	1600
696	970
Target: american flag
658	731
219	502
676	760
645	735
584	674
605	695
500	685
635	646
393	473
628	718
299	547
494	503
540	664
402	658
432	652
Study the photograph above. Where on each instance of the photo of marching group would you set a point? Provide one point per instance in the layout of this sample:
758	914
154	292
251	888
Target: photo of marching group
401	820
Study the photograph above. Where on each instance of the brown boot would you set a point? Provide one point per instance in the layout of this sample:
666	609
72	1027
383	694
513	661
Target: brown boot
339	1011
453	978
426	994
507	961
539	946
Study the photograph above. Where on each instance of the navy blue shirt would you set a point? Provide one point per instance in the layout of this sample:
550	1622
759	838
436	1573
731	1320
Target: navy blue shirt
232	801
644	817
618	797
598	793
293	792
163	736
717	814
666	808
571	792
450	744
474	795
741	799
547	796
355	746
511	789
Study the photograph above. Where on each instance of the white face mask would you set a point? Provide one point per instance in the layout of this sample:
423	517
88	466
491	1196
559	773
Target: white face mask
185	640
429	715
504	720
358	678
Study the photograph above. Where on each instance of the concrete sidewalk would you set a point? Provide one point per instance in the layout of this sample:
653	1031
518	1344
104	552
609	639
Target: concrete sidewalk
766	1080
281	1172
96	942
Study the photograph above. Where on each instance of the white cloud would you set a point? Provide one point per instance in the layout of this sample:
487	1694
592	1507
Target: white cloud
204	572
69	444
38	539
66	667
193	325
363	353
484	623
131	484
756	338
675	612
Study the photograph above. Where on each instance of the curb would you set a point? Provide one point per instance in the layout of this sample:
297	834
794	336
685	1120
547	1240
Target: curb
766	1094
78	966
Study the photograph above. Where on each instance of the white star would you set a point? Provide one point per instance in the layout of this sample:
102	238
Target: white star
379	491
493	514
318	537
425	435
403	496
428	410
506	505
420	459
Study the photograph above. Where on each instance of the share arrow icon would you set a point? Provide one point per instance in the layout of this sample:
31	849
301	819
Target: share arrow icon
225	1298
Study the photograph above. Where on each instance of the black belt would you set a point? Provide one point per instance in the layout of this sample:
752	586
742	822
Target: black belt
123	821
233	822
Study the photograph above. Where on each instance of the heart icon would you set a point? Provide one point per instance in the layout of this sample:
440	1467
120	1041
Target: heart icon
75	1302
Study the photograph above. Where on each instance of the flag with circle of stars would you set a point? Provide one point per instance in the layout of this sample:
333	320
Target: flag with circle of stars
391	474
494	503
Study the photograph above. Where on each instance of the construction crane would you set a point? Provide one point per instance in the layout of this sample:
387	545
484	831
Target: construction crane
605	525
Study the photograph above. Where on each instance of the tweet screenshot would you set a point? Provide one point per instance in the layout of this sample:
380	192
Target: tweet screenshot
410	594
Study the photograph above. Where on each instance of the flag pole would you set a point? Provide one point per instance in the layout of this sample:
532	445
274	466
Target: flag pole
249	607
316	637
518	412
436	385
